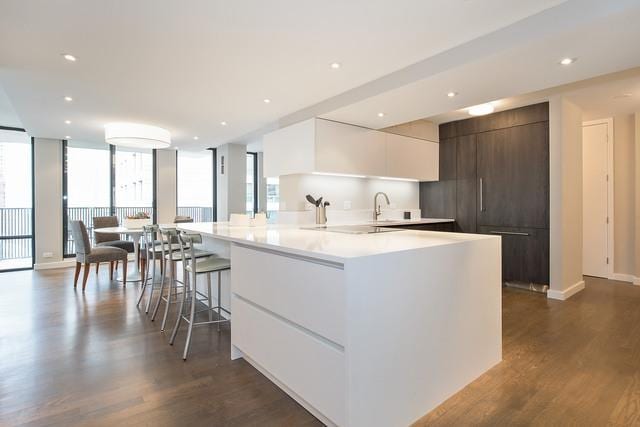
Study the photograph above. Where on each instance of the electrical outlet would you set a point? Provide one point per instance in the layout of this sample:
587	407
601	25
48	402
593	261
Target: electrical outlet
47	255
346	205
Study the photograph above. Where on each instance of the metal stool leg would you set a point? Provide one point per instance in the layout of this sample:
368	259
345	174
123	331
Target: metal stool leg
153	282
143	283
192	314
209	298
162	280
180	310
173	287
219	301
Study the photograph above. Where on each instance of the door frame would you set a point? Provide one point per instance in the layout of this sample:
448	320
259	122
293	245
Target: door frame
610	189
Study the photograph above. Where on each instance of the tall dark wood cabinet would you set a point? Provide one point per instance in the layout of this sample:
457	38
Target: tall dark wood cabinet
498	183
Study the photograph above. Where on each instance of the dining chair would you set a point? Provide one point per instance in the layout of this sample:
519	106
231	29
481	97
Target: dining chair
110	239
87	255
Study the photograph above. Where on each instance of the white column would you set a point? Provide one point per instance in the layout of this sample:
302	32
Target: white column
166	185
565	185
48	200
232	180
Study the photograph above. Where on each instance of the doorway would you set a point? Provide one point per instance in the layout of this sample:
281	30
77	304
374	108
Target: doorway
597	198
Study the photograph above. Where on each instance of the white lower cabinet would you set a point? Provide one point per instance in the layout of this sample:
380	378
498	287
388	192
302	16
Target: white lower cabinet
309	367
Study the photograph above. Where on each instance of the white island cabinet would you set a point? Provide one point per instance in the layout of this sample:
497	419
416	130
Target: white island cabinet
364	330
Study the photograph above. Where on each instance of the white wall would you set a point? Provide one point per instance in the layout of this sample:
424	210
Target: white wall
166	185
565	176
232	180
624	194
338	190
48	200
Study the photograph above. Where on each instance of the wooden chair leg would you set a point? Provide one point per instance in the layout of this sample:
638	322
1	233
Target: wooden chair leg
75	277
124	273
85	275
143	269
97	267
111	270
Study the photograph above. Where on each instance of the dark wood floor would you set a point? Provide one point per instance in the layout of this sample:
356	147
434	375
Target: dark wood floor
95	359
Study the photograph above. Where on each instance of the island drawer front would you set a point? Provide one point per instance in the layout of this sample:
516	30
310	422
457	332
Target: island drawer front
311	368
309	294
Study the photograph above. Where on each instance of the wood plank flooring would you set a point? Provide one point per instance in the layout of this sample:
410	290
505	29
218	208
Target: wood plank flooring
68	359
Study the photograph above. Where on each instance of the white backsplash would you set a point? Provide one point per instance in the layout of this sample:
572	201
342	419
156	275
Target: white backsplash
338	216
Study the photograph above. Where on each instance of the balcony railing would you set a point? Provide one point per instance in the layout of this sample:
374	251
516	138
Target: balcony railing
15	233
199	214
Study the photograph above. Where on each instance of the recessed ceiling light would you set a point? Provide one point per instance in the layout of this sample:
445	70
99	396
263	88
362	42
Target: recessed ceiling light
68	98
380	114
223	123
452	94
335	65
196	138
69	57
567	61
266	100
67	137
481	110
68	122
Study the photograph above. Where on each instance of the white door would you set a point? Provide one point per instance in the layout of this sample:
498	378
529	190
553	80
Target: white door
595	160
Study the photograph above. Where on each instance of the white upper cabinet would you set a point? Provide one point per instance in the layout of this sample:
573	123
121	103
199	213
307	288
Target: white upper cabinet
324	146
412	158
347	149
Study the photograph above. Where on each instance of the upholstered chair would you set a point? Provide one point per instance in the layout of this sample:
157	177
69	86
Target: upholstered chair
87	255
110	239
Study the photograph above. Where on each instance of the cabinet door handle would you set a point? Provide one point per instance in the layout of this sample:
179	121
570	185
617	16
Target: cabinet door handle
481	195
509	233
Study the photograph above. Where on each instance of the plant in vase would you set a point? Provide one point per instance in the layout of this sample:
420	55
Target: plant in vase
137	220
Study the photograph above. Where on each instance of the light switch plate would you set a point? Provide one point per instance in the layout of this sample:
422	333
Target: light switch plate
346	205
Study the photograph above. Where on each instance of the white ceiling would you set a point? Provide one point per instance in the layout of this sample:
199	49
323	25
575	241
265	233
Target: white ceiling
519	59
600	97
186	66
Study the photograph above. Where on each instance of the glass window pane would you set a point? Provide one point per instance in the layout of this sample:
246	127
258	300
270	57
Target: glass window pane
195	185
15	200
273	197
88	185
250	183
134	183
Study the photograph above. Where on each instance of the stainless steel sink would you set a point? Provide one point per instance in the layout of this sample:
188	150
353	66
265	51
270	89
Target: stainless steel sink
351	229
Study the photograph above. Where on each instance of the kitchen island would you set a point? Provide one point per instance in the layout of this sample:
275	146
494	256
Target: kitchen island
362	329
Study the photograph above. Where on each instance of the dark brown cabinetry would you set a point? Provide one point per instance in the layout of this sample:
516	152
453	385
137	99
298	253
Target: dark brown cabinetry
498	183
438	226
513	176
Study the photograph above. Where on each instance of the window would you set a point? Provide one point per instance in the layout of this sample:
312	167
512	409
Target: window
133	182
195	184
252	183
16	198
273	197
87	194
100	180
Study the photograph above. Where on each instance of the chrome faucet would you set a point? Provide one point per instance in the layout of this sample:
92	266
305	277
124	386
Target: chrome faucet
376	206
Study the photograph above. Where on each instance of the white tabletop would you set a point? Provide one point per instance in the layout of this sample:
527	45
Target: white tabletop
125	230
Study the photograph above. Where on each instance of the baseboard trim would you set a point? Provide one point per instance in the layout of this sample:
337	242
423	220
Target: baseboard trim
622	277
65	263
56	264
567	293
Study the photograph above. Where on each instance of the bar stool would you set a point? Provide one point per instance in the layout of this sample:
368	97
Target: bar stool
150	253
171	255
192	269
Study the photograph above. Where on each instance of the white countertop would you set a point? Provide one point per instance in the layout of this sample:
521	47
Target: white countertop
330	246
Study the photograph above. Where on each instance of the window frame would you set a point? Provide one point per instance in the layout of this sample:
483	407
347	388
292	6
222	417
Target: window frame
214	186
254	154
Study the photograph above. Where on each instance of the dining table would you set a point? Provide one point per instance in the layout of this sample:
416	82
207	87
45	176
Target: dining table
136	235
